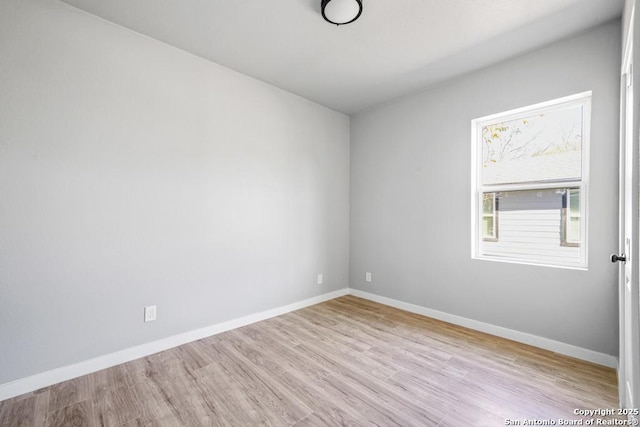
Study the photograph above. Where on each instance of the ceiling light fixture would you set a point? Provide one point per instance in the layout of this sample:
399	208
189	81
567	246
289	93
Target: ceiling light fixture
341	12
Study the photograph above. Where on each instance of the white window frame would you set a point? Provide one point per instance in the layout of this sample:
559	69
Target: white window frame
583	99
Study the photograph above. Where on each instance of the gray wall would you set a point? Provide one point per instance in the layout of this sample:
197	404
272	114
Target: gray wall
411	192
132	173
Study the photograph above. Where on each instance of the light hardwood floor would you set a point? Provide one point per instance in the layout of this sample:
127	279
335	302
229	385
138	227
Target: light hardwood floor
344	362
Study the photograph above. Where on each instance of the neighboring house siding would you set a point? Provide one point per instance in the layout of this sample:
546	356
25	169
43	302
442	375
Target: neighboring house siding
529	223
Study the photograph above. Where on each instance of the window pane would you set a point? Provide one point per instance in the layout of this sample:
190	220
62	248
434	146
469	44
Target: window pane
488	203
573	217
573	230
539	147
531	228
488	216
487	227
574	202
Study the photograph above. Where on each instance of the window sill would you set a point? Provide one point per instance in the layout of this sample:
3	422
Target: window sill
579	267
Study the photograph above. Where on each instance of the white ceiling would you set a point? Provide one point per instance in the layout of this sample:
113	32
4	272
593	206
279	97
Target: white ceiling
396	47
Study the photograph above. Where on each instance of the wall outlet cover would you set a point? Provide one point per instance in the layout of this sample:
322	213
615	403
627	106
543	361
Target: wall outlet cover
150	313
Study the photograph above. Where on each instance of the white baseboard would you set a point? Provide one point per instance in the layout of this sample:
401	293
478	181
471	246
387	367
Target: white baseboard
45	379
522	337
54	376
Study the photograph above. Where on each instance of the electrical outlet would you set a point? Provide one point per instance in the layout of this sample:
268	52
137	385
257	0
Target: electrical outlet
367	276
320	279
150	313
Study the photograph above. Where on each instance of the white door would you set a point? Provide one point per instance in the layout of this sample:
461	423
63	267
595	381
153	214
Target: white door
629	302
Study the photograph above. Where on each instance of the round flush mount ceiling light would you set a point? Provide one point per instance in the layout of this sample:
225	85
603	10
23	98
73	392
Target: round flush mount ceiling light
341	12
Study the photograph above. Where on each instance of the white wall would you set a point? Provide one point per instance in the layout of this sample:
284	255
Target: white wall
132	173
411	195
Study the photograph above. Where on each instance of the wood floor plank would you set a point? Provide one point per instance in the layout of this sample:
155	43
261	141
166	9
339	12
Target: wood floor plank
100	382
332	419
347	361
276	405
69	392
79	414
225	398
153	403
255	354
315	395
270	342
20	412
116	406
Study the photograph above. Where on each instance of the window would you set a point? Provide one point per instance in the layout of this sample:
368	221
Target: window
571	217
489	217
530	169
